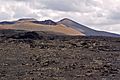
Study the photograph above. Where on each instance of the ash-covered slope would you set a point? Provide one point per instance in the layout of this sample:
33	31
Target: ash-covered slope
85	30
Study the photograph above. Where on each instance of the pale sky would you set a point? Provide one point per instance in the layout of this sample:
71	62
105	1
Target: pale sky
98	14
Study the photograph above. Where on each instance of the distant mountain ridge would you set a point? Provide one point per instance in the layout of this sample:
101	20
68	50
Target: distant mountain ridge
65	26
27	19
7	22
46	22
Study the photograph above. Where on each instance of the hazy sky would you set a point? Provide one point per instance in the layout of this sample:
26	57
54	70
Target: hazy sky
97	14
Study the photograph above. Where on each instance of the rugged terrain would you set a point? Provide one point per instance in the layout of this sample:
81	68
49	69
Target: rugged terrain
44	56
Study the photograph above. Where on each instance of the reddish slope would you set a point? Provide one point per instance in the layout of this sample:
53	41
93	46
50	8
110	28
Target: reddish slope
28	25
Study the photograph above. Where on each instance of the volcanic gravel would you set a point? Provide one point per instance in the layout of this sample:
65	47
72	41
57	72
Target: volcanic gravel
59	58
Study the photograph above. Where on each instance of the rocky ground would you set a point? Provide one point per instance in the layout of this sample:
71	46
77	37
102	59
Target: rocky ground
32	56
